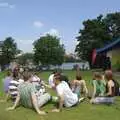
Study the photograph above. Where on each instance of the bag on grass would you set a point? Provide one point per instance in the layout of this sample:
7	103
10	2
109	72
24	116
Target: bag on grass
117	86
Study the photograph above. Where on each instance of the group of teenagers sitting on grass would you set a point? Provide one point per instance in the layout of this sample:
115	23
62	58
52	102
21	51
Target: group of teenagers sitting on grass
28	90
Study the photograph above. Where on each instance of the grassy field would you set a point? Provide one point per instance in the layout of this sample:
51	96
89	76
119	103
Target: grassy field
83	111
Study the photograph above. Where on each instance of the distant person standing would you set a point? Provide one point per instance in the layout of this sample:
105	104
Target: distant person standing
107	64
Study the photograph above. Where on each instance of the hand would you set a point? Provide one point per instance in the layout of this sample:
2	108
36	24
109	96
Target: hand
42	113
55	110
10	108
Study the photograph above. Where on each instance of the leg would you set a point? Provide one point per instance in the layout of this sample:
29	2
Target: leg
43	99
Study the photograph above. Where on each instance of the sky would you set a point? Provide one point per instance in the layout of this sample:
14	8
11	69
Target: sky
27	20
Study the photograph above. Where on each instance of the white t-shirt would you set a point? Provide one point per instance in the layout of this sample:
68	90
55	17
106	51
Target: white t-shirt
70	98
51	80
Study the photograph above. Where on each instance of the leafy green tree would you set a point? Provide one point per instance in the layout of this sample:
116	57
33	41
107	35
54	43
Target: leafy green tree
8	51
48	51
112	20
23	59
96	33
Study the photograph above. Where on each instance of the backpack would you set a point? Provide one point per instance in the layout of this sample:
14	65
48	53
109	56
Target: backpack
117	86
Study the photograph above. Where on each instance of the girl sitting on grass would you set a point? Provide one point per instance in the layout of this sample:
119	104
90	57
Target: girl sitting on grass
108	97
99	85
78	86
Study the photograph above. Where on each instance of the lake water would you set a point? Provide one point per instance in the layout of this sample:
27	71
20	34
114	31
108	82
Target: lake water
69	66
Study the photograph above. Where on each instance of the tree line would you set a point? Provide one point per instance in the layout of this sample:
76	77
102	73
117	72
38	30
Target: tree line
49	51
97	33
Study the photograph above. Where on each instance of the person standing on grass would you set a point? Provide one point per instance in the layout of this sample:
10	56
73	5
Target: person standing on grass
108	98
28	97
65	95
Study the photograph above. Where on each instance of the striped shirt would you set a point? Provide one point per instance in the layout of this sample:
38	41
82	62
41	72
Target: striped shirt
13	87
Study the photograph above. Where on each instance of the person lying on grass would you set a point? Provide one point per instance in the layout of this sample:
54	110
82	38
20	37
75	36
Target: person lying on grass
108	98
65	95
28	96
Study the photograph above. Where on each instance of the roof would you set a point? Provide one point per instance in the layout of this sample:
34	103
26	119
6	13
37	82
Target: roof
109	47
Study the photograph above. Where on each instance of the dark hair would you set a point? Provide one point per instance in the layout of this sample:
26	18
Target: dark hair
58	76
15	74
8	73
78	77
54	71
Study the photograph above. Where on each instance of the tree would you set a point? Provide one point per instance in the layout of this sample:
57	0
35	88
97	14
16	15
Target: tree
96	33
8	51
23	59
48	51
112	21
69	59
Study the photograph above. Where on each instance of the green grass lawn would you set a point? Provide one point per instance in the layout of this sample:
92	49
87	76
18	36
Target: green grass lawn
83	111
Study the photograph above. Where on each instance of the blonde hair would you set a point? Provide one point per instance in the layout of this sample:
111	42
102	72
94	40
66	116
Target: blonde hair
97	75
26	76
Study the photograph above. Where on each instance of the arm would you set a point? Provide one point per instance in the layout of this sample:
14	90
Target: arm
85	87
60	94
48	86
16	103
34	102
61	102
94	91
109	90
